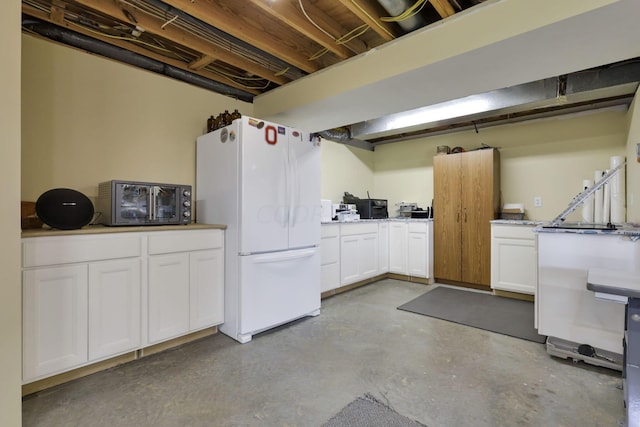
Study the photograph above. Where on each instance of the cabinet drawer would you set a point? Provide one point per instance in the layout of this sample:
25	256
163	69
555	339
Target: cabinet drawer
71	249
183	241
330	230
358	228
417	227
513	232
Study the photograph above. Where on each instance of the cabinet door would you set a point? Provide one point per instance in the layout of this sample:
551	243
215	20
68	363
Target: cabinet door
383	247
418	254
349	259
398	248
54	320
206	288
168	296
114	307
514	265
447	216
479	207
368	255
330	257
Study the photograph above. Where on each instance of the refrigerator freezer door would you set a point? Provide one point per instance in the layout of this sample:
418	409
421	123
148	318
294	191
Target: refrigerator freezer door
264	197
305	207
277	288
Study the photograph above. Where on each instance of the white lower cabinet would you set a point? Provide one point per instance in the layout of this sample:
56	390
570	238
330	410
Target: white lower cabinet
330	257
417	253
355	251
84	295
186	283
514	263
398	248
185	293
206	292
411	248
114	307
358	252
168	296
54	319
383	247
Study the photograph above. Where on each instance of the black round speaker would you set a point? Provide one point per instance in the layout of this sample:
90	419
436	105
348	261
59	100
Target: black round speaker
64	209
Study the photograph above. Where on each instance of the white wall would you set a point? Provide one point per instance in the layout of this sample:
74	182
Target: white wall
547	158
10	294
87	119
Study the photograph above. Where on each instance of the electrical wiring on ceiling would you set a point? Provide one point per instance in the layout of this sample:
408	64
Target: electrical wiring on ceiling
346	38
372	18
409	13
208	36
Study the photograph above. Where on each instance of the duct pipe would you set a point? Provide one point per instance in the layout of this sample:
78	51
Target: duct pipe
397	7
89	44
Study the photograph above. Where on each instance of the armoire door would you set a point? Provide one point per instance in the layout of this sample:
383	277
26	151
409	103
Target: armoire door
447	216
479	206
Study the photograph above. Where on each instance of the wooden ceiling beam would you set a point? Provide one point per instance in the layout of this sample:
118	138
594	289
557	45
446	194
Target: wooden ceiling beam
291	15
370	16
57	11
327	22
36	13
225	19
443	7
123	12
201	62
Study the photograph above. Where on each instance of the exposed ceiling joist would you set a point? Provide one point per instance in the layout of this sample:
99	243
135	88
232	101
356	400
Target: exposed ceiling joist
155	26
221	16
443	7
288	14
137	49
370	14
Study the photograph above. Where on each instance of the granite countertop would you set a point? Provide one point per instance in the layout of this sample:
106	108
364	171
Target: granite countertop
517	222
397	218
631	230
102	229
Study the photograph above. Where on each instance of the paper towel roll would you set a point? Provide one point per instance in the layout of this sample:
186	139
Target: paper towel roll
606	202
618	192
597	199
587	206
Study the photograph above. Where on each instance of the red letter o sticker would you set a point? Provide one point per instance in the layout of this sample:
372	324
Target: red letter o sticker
271	135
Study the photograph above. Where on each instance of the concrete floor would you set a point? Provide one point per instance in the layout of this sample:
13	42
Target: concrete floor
436	372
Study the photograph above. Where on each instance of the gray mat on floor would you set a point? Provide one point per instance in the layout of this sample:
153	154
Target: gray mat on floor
367	411
505	316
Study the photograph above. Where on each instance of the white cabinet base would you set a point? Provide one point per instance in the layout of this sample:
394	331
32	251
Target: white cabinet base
514	264
89	297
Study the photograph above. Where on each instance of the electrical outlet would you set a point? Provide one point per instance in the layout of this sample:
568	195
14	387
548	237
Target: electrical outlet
537	202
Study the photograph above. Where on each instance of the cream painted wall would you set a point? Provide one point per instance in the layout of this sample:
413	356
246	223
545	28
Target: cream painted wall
86	119
547	158
633	167
345	168
10	289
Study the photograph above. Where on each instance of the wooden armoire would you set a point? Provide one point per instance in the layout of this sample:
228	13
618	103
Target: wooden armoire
466	190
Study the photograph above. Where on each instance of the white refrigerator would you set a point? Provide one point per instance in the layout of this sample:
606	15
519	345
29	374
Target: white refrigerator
262	180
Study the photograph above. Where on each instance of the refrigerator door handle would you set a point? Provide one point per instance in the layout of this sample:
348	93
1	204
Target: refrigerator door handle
285	256
287	184
294	189
290	184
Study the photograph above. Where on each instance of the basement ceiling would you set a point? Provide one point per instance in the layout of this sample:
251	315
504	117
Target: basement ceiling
239	48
